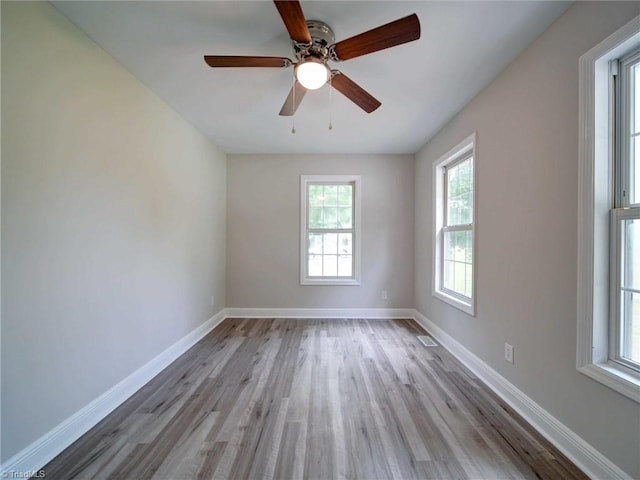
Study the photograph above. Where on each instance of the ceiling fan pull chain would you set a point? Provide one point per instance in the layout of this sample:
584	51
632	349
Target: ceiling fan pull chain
330	103
293	114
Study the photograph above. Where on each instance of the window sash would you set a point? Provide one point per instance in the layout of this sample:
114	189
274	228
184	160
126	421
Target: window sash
446	171
618	315
337	231
444	260
626	130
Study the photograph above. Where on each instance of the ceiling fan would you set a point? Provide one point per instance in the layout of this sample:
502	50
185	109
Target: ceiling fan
314	46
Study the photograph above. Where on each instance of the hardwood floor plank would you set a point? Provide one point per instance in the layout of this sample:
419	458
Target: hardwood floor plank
319	457
287	466
313	399
210	459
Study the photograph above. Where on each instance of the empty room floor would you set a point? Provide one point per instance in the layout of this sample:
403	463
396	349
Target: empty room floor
313	398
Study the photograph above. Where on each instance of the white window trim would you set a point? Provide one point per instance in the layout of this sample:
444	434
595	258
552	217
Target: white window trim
594	202
304	181
468	144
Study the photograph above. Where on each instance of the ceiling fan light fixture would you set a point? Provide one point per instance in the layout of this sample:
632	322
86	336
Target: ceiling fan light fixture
312	73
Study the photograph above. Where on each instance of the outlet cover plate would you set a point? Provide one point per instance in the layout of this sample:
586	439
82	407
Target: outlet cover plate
508	353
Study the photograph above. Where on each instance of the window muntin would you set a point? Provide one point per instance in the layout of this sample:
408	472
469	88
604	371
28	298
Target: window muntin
454	226
330	230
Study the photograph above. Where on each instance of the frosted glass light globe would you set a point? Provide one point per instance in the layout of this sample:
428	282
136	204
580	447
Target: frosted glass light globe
312	74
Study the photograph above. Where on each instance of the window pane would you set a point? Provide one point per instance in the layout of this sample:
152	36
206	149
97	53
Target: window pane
330	195
631	254
460	193
315	217
449	246
468	280
460	246
330	265
344	217
330	243
465	204
345	263
330	217
448	274
315	244
450	263
459	271
631	326
315	195
345	195
315	266
452	214
452	179
345	243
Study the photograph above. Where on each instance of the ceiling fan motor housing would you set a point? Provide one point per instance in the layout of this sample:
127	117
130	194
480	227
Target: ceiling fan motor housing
322	37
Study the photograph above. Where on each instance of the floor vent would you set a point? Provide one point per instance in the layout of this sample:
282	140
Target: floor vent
427	341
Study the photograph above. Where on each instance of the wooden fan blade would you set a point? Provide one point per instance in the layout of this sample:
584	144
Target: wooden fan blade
354	92
235	61
293	18
401	31
289	108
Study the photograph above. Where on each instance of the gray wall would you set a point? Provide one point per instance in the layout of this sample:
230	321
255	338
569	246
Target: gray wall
527	125
113	223
115	215
263	231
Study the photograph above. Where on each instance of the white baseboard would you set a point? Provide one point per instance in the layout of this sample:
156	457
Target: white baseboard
587	458
51	444
370	313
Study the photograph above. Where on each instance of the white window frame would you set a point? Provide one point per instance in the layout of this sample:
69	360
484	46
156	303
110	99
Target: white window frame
596	147
465	148
305	180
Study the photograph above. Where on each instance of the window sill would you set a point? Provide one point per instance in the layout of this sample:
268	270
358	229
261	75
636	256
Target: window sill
615	378
466	307
330	281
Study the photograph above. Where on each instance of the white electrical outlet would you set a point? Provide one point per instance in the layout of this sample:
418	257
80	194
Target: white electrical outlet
384	295
508	352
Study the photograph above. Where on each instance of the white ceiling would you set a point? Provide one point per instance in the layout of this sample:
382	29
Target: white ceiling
421	85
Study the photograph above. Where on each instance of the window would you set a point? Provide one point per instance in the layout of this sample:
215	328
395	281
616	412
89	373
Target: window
608	343
625	215
330	230
454	199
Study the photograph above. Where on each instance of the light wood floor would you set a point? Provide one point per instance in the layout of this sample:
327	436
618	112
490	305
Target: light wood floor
287	398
